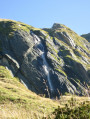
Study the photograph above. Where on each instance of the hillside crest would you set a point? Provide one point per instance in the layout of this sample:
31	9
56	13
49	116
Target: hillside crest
48	61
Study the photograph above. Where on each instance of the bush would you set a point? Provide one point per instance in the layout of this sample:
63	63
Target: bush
70	111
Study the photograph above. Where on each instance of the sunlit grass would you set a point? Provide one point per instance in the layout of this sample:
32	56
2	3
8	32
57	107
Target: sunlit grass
20	103
15	98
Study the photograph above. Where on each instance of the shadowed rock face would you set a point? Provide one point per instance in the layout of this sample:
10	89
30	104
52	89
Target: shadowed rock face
87	36
50	61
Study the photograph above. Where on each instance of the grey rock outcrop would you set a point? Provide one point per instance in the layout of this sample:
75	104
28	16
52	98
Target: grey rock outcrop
87	36
49	63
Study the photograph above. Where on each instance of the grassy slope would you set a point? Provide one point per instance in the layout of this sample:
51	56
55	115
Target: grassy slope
7	27
18	102
71	111
15	98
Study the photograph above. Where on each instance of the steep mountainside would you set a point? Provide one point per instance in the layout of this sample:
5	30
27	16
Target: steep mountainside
47	61
87	36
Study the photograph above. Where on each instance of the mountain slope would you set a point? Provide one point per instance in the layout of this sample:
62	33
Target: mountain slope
16	101
48	61
86	36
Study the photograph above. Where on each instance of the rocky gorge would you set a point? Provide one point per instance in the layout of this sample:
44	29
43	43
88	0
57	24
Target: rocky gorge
48	61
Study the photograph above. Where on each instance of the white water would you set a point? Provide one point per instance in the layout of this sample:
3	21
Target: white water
47	71
45	64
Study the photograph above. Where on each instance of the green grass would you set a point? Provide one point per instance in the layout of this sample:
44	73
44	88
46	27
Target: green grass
76	38
61	71
8	27
13	92
70	111
17	102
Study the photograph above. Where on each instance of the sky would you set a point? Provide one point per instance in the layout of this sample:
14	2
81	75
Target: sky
44	13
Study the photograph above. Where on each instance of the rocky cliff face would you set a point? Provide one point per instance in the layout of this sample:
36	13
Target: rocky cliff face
47	61
87	36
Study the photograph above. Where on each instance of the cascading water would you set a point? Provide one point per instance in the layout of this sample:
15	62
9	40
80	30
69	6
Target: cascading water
45	64
47	70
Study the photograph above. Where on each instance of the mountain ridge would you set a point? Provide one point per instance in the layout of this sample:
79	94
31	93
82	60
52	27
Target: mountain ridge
86	36
40	58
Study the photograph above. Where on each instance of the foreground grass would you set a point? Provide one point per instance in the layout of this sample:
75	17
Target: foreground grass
17	102
70	111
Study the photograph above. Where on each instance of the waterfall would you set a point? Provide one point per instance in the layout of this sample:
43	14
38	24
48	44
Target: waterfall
46	67
47	71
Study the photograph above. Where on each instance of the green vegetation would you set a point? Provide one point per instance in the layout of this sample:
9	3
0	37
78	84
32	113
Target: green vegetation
50	47
72	112
63	44
15	97
56	58
76	38
16	101
61	71
7	27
